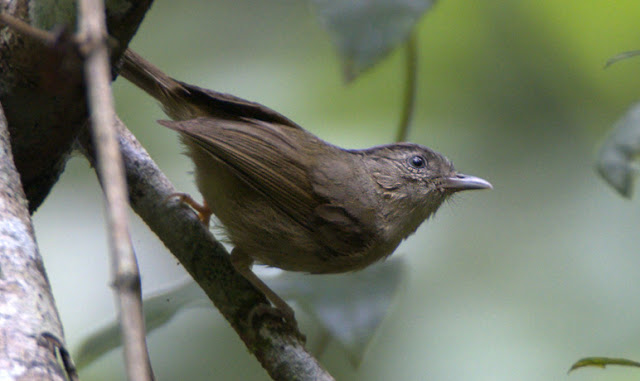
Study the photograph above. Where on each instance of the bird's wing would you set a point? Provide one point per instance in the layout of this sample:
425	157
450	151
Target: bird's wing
261	155
275	164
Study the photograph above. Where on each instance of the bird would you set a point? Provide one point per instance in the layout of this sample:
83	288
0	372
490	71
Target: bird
288	199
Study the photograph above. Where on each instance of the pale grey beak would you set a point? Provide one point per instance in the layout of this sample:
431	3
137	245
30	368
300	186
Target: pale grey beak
462	182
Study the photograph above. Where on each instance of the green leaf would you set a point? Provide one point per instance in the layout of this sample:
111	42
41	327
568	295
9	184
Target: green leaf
348	306
601	362
158	311
364	31
616	157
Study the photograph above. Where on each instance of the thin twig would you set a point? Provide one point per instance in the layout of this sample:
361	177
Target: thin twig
410	87
92	30
26	29
621	56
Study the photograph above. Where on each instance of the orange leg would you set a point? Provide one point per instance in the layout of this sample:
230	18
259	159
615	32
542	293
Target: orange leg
203	211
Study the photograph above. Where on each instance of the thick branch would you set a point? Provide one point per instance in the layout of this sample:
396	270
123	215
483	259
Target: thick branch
279	350
27	308
42	90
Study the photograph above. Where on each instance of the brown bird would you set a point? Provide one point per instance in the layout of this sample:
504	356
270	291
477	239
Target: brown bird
288	199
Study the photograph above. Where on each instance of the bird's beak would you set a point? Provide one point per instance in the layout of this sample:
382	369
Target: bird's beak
460	182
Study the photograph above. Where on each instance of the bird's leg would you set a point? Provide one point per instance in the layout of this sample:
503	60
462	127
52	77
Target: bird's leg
203	211
242	263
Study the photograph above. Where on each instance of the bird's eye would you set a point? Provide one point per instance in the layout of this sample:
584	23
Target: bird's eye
417	162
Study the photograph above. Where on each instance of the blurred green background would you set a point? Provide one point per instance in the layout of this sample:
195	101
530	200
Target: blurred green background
512	284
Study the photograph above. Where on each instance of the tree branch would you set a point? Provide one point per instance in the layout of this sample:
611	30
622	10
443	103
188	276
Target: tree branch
278	348
125	270
42	90
27	308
